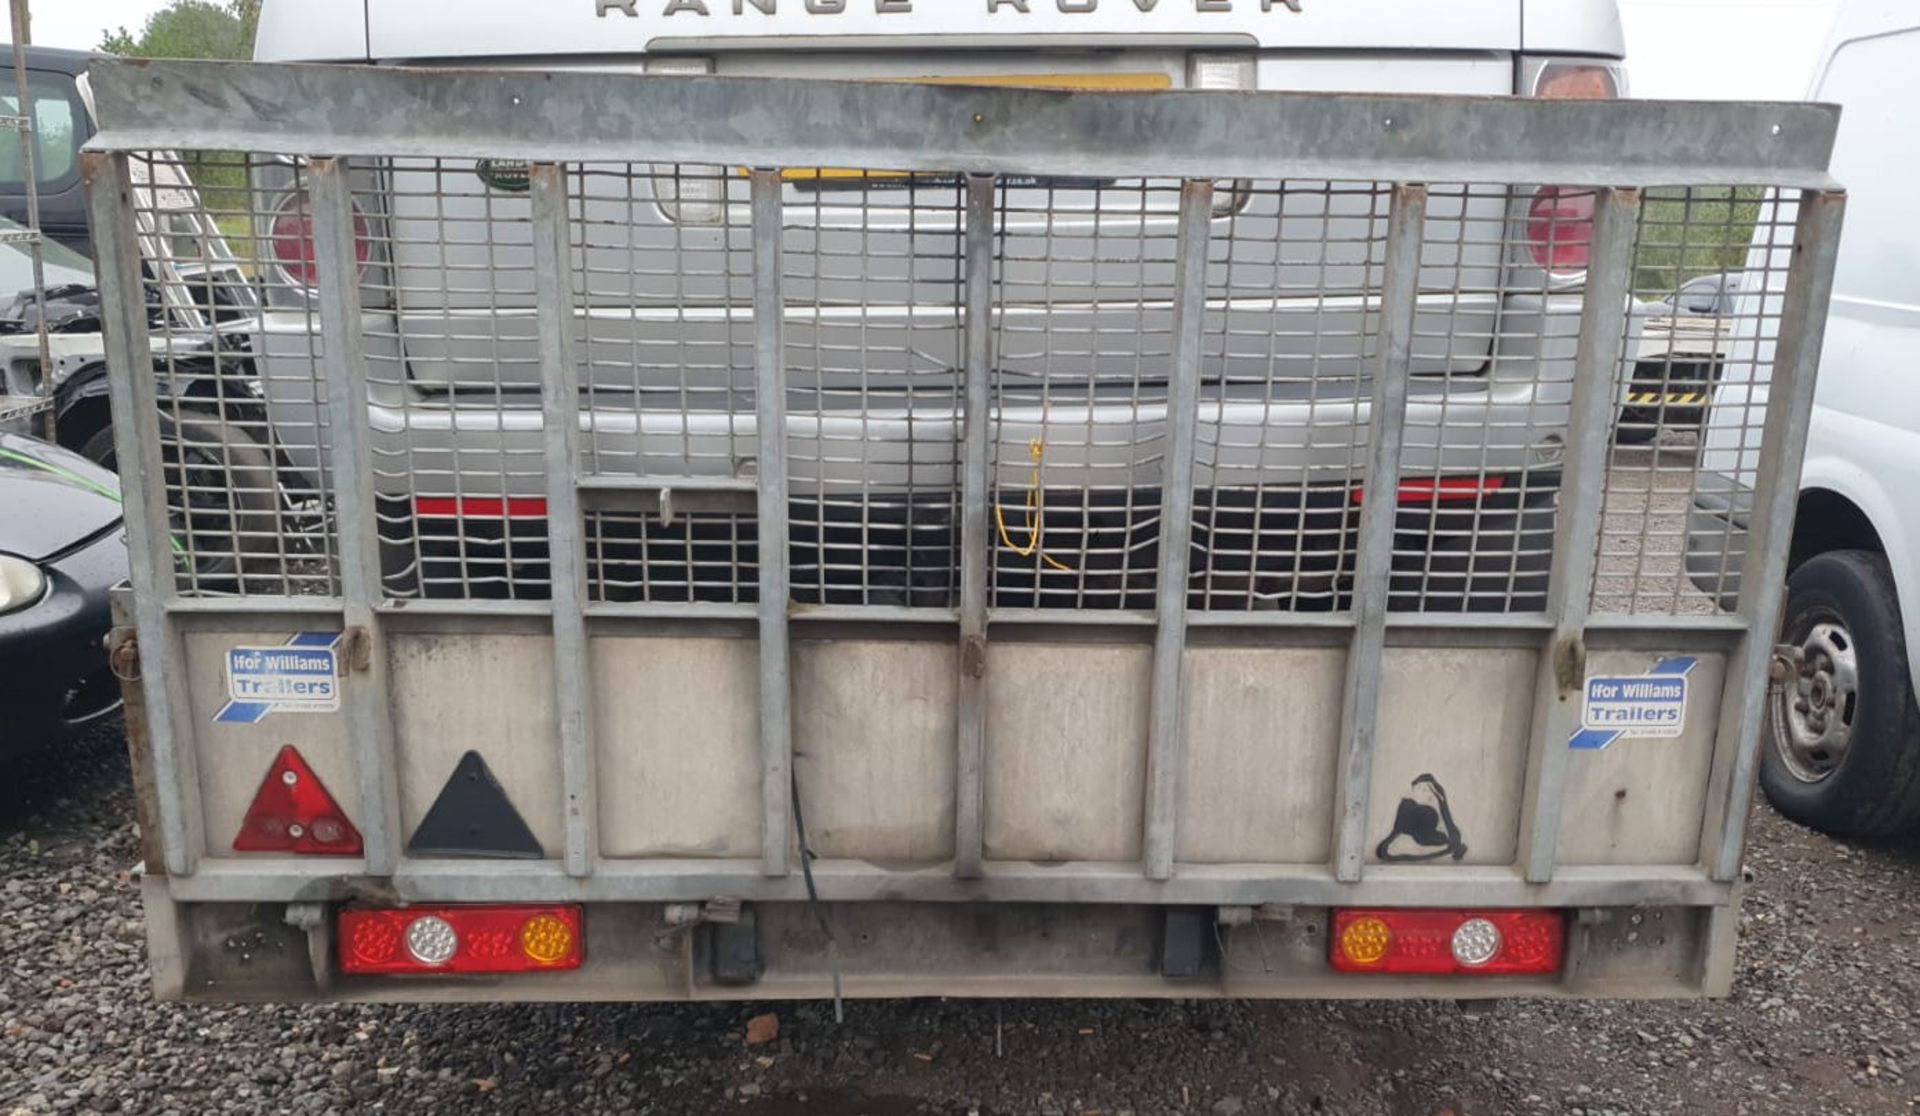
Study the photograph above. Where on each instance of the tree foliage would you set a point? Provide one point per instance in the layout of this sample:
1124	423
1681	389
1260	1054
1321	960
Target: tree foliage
191	29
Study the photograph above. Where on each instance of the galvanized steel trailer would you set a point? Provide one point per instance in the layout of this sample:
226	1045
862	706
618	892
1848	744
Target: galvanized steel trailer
1185	708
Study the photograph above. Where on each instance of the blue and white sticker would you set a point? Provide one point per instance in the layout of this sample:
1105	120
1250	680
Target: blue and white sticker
1635	706
300	676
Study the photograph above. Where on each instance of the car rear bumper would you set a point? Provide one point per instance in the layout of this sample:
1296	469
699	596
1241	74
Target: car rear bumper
1291	549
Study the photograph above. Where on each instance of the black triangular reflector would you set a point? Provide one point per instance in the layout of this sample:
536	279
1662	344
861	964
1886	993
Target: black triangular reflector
474	817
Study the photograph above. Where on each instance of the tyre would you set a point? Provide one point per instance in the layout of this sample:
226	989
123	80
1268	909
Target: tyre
223	492
98	447
1840	749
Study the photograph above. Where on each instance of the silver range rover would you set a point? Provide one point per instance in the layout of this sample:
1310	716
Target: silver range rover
874	331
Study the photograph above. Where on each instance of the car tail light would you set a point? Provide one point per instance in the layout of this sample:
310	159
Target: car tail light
481	507
461	939
292	812
1575	80
1559	219
1449	941
1560	229
290	237
1430	490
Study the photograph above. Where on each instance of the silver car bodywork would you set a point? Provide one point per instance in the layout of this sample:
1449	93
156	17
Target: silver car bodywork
874	341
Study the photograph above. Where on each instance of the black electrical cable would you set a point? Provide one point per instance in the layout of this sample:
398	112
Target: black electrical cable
813	899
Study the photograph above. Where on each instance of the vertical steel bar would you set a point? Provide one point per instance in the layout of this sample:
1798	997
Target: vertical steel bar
1166	729
1359	709
343	363
1796	361
131	388
1561	676
566	542
28	135
976	547
770	404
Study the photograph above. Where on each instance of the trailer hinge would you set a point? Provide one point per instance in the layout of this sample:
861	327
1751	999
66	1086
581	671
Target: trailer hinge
123	654
1570	665
973	656
1789	659
356	647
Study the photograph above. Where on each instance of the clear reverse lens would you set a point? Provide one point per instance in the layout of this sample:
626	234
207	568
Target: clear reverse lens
431	940
1476	942
21	583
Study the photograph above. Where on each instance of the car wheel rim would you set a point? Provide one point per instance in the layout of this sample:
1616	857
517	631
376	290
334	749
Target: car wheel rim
1814	709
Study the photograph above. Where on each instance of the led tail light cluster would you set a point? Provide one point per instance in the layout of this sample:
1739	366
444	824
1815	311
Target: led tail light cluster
461	939
1449	941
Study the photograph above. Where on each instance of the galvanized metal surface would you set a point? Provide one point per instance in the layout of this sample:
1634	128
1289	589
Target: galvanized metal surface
970	745
110	214
566	548
1166	735
692	880
1563	669
1359	717
1789	408
393	111
1002	516
770	401
344	366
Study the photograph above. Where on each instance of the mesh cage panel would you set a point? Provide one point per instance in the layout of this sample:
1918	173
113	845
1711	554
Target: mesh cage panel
1083	290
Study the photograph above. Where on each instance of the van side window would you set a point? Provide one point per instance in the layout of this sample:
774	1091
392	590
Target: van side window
56	155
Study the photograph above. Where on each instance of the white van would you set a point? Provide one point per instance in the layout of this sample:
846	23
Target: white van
456	373
1841	751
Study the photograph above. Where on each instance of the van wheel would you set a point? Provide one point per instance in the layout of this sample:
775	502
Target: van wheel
1840	750
224	494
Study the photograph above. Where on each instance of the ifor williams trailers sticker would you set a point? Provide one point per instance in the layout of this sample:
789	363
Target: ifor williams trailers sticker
1644	706
301	676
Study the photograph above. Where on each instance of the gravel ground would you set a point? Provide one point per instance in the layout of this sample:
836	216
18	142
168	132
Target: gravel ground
1822	1020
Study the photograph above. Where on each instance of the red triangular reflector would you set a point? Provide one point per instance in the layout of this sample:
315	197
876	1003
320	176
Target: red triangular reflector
292	812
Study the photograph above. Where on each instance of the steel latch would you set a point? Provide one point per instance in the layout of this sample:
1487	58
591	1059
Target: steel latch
123	653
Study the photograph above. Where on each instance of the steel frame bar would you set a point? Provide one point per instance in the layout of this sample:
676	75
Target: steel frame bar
1360	702
343	366
1166	728
566	541
770	401
1763	588
133	396
1560	679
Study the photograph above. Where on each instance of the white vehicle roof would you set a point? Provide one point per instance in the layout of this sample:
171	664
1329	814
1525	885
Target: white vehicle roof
360	30
1862	19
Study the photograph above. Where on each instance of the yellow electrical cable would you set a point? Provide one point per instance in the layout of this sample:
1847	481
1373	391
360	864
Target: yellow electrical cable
1036	515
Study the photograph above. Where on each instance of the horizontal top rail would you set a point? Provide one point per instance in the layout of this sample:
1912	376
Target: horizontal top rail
545	116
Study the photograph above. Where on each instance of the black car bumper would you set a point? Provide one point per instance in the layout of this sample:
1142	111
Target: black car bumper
53	663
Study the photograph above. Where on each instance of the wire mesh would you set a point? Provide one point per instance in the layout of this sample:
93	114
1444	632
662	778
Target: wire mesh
1083	290
1686	449
242	412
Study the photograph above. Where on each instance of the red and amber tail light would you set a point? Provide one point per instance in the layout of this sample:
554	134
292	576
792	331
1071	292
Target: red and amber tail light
1446	942
461	939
